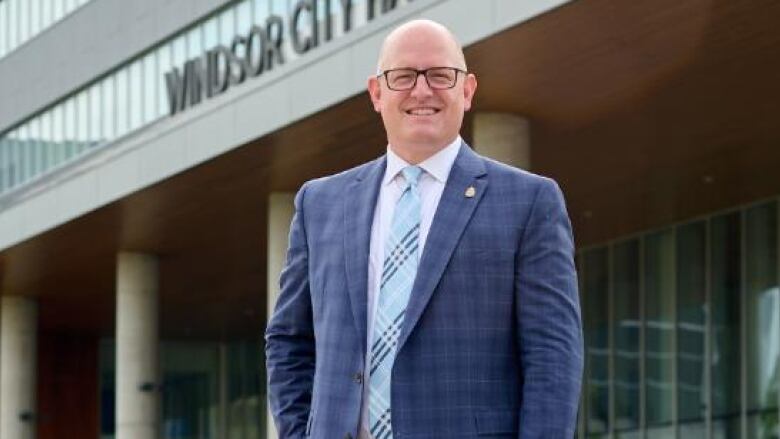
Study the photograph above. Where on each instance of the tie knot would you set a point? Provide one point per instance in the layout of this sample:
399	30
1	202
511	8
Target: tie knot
411	175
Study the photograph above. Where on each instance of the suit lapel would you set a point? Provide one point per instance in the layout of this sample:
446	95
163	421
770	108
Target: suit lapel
452	214
359	203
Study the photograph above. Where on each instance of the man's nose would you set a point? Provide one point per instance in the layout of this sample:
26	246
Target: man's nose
421	87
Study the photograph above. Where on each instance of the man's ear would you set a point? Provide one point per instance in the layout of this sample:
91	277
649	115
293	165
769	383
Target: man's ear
375	90
469	88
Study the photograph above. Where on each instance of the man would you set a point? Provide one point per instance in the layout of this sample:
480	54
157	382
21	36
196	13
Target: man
430	293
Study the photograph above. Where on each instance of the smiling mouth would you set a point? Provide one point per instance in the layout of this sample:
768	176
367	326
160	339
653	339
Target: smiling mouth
427	111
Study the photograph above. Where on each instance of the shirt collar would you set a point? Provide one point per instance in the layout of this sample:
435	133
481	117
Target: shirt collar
438	165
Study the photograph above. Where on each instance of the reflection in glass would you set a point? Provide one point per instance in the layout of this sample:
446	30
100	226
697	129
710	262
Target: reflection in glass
35	17
58	10
47	141
109	108
13	28
597	341
82	118
46	11
211	33
725	257
191	380
22	148
194	43
3	32
95	115
626	334
246	400
121	84
70	128
136	95
261	9
244	17
659	328
150	87
33	148
163	66
179	47
227	26
24	21
762	321
691	307
58	134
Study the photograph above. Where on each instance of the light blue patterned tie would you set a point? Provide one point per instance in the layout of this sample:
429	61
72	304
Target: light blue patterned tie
398	273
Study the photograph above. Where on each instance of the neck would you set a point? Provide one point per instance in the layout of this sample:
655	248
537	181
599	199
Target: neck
418	153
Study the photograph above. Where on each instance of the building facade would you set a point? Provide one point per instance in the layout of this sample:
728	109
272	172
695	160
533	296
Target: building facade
150	150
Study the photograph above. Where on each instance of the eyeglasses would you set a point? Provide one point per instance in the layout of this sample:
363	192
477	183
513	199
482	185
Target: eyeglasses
438	78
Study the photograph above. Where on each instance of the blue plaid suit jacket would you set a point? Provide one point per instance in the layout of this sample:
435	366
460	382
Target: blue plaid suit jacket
491	344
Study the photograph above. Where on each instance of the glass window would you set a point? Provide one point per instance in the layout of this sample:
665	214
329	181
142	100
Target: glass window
13	166
659	328
227	26
95	114
70	128
24	21
191	377
70	5
13	20
109	108
46	140
726	257
82	134
597	341
163	67
627	323
3	162
261	9
57	134
3	34
35	17
136	95
691	308
246	402
58	9
194	43
211	33
33	147
762	320
46	13
150	87
22	149
243	17
179	51
122	102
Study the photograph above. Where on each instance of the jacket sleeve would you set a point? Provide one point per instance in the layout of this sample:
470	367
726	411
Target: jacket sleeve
289	337
549	323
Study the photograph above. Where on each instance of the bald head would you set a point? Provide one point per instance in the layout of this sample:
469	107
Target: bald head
419	30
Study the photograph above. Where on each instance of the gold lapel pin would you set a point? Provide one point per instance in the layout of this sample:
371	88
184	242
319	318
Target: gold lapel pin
470	192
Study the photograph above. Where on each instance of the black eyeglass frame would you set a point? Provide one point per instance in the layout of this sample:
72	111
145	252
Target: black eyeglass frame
423	72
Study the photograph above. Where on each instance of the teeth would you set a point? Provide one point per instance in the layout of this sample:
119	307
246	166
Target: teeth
422	111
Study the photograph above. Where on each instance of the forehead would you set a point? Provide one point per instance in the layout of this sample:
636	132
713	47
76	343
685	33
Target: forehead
421	48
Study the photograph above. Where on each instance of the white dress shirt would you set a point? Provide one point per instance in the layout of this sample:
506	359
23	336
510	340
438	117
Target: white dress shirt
436	170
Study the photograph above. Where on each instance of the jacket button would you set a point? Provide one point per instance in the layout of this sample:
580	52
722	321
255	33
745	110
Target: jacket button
348	436
358	377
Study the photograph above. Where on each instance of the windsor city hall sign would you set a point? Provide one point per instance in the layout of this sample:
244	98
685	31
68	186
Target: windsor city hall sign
260	50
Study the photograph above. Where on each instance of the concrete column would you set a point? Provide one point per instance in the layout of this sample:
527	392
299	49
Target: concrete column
504	137
281	208
137	366
18	367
